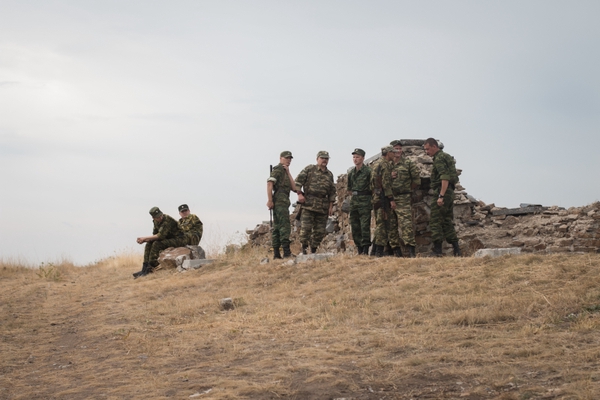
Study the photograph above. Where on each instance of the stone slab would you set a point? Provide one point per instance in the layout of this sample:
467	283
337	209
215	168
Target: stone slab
195	264
497	252
519	211
302	258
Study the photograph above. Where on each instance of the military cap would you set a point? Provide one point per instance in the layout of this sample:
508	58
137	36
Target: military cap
286	154
183	207
360	152
155	212
396	143
322	154
387	149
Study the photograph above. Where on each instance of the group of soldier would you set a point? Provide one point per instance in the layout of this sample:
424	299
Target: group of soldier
168	233
384	189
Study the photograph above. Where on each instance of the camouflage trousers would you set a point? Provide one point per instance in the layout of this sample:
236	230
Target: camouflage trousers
360	222
153	249
193	238
386	231
441	220
404	215
280	236
313	227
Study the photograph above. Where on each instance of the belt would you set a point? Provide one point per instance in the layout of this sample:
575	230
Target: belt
361	193
318	197
401	193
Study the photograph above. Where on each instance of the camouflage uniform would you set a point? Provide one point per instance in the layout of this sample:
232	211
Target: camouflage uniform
441	220
359	184
169	235
192	229
407	175
386	228
281	206
319	191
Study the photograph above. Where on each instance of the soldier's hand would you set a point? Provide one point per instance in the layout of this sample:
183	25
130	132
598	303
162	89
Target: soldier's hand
440	201
140	240
394	174
393	205
270	205
286	167
300	198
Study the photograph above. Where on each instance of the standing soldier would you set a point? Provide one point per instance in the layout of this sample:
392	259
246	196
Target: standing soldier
166	233
359	184
405	178
443	179
191	225
279	185
317	201
386	228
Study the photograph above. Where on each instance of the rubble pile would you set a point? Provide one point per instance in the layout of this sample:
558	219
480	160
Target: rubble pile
533	228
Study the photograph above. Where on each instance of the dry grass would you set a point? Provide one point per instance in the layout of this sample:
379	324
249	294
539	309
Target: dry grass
353	327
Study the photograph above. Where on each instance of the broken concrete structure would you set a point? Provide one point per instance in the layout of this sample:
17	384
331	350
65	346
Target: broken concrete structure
532	228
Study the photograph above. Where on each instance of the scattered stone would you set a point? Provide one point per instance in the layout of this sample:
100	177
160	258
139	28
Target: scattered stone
302	258
265	260
226	304
497	252
194	264
168	257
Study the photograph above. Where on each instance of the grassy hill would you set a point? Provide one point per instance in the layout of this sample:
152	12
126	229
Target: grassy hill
352	327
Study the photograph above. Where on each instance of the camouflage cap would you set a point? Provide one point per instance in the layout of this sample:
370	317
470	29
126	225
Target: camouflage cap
155	212
396	143
286	154
387	149
183	207
322	154
360	152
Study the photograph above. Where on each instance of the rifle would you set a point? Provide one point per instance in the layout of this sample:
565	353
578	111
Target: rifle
271	210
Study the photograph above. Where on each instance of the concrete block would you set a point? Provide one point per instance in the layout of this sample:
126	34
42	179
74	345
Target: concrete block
497	252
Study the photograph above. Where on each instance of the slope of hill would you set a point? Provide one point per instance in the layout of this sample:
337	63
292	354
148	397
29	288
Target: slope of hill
351	327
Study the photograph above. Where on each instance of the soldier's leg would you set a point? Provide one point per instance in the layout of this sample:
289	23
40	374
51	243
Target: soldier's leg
285	227
306	228
380	237
393	234
406	226
275	232
448	218
160	245
355	226
435	223
147	251
319	230
365	227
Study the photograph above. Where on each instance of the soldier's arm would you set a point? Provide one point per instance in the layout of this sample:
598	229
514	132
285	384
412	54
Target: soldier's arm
292	182
269	194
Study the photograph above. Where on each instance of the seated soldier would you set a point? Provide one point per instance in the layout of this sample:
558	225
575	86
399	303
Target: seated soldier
166	233
191	225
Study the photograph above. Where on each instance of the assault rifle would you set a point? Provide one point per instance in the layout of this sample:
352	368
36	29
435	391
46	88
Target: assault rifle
271	210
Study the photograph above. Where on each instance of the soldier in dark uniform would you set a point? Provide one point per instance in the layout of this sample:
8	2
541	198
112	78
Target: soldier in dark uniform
166	233
359	185
191	226
279	185
443	179
317	201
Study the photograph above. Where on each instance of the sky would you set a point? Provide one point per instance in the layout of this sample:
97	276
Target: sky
108	108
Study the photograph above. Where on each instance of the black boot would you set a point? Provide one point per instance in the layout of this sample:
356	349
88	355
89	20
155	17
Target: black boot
411	251
360	250
456	249
148	270
136	274
373	250
366	250
313	250
276	254
397	251
378	251
287	253
304	248
437	249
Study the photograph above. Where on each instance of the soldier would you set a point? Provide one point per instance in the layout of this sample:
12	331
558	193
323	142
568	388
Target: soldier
386	228
191	226
405	178
317	201
166	233
359	184
443	179
279	185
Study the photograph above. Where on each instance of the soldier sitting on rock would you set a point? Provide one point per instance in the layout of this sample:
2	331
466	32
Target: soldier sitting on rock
191	226
166	233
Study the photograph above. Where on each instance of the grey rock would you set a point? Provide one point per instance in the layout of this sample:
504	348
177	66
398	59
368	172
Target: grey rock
497	252
195	264
302	258
265	261
226	303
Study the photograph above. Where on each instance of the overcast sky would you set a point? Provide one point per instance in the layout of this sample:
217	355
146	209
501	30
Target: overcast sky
108	108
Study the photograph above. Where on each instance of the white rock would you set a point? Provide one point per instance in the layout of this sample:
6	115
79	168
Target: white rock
497	252
302	258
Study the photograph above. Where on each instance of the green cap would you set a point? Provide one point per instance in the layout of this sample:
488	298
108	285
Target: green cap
396	143
183	207
286	154
322	154
155	212
387	149
360	152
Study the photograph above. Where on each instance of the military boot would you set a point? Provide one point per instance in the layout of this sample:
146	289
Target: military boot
397	252
360	250
373	250
137	274
276	253
456	249
313	250
379	251
304	249
145	271
411	251
437	249
287	253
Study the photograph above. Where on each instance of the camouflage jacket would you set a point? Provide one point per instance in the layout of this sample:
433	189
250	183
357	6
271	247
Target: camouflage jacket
407	174
281	186
318	187
444	169
381	179
360	181
167	228
191	226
